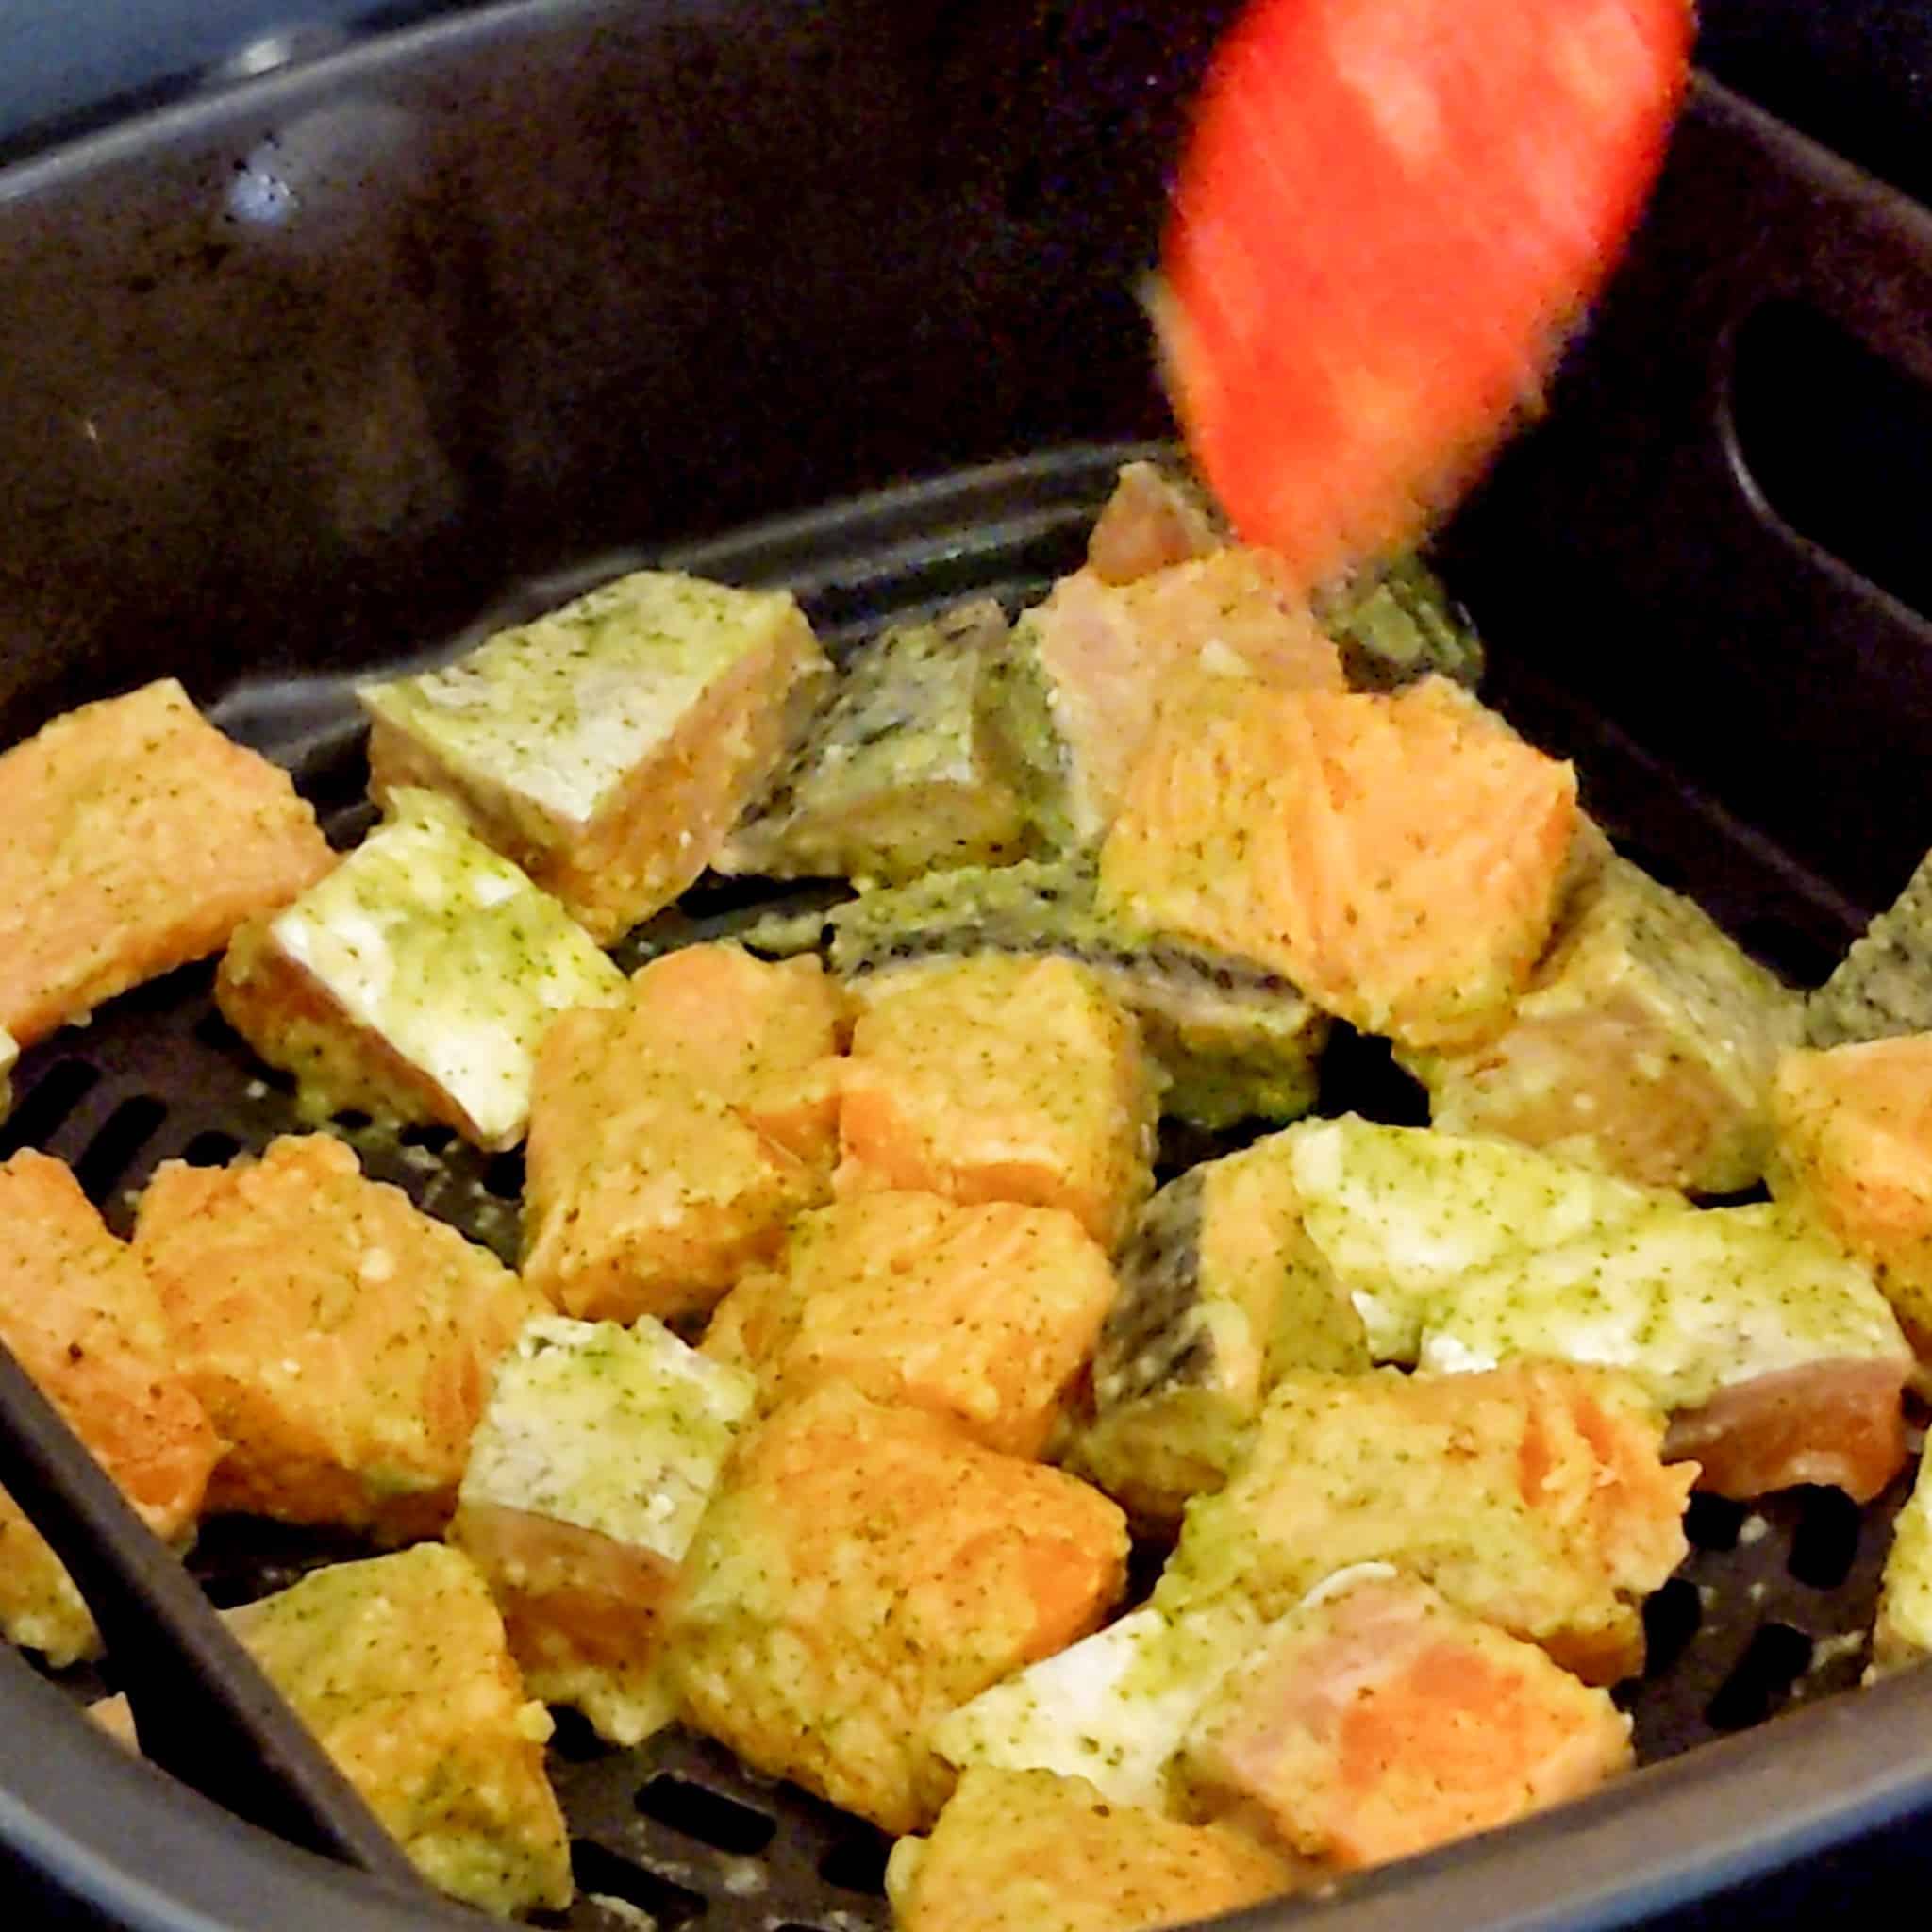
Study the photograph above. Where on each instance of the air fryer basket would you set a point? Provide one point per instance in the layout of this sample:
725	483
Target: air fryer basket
361	362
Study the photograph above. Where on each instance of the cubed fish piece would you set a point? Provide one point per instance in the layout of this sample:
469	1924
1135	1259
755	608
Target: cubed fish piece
996	1079
900	772
1112	1709
588	1474
341	1339
1026	1851
1854	1153
1378	1721
674	1138
1234	1040
1087	676
1155	517
1401	1214
1397	624
1773	1350
1534	1496
1883	986
416	981
138	838
1644	1046
1399	859
861	1572
985	1315
1220	1290
608	747
82	1318
399	1667
1902	1633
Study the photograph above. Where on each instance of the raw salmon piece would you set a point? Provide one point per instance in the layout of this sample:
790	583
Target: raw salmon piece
1090	665
861	1572
398	1665
674	1138
1644	1046
1402	1214
996	1079
1533	1496
415	981
1398	857
1152	520
608	747
983	1315
903	772
1853	1152
1902	1633
340	1341
587	1476
1776	1357
764	1037
1026	1851
1378	1721
1221	1289
83	1319
138	838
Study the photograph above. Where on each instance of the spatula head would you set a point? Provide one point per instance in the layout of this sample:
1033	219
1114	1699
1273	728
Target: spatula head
1388	216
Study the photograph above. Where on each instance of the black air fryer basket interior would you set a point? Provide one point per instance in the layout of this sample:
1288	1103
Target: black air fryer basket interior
362	361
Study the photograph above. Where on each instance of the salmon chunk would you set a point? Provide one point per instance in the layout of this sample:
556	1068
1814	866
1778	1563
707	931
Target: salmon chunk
587	1476
415	981
1090	667
341	1339
983	1315
675	1137
1644	1046
82	1318
608	747
1400	859
1773	1352
1532	1496
863	1570
1902	1633
997	1079
1026	1851
1152	520
138	838
1854	1154
398	1666
1221	1289
1379	1720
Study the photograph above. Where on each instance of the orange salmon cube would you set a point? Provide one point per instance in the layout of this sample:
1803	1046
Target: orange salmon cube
1381	1719
609	746
1400	859
398	1666
1643	1047
983	1315
1029	1851
675	1137
1000	1079
1531	1495
138	838
1101	655
340	1341
82	1318
863	1571
586	1478
1853	1152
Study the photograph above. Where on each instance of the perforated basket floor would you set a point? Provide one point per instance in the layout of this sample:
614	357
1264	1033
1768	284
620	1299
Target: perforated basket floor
1769	1610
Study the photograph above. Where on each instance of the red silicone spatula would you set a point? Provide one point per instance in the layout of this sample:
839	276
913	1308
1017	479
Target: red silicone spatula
1389	215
